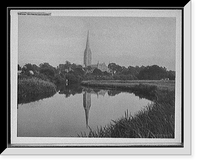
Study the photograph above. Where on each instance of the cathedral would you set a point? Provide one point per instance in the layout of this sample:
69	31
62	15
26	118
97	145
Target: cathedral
87	53
88	58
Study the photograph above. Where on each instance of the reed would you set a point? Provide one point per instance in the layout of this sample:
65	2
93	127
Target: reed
32	89
154	121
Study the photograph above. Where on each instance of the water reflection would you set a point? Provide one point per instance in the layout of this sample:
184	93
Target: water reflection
75	109
70	90
87	100
87	91
87	105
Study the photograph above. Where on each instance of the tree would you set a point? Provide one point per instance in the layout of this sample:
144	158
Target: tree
29	69
72	78
115	68
171	75
67	65
58	79
105	73
97	72
79	71
49	72
46	65
153	72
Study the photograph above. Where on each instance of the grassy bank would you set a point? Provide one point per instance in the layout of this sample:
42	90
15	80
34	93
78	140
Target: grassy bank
32	89
154	121
131	84
143	88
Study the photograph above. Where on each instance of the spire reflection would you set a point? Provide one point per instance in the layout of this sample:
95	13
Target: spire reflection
87	105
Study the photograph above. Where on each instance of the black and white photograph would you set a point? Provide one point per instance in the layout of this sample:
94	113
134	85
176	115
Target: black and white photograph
111	77
97	77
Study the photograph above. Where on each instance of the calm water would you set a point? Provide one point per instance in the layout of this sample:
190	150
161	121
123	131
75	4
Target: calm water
71	110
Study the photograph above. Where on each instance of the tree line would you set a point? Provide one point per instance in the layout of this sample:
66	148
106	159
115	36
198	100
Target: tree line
76	73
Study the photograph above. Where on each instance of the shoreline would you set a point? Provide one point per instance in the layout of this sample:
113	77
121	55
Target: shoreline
131	84
158	121
34	89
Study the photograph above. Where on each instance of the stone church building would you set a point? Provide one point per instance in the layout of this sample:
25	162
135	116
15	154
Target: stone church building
88	58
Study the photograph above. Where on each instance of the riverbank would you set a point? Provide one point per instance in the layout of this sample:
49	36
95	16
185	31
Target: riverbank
154	121
33	89
131	84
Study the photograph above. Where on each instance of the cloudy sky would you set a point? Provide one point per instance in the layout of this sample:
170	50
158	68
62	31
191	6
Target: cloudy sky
123	40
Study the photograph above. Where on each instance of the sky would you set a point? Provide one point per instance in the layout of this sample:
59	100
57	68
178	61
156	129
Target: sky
127	41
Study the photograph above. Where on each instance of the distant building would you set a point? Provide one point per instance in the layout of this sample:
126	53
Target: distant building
103	67
88	59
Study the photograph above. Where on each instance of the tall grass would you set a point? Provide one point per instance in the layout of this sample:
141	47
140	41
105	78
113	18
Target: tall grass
154	121
32	89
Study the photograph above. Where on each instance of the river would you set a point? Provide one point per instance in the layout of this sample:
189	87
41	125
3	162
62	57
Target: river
75	110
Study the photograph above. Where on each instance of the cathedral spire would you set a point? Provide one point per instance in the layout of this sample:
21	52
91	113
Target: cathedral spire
87	53
87	43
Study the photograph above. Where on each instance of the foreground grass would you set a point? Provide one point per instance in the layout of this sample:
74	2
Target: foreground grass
32	89
154	121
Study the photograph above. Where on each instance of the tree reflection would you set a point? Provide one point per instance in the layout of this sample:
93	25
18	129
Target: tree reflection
70	90
113	92
88	91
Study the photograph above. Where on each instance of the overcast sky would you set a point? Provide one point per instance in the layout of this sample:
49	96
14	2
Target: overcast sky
134	41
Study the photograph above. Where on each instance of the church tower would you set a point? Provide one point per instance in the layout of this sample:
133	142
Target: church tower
87	53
